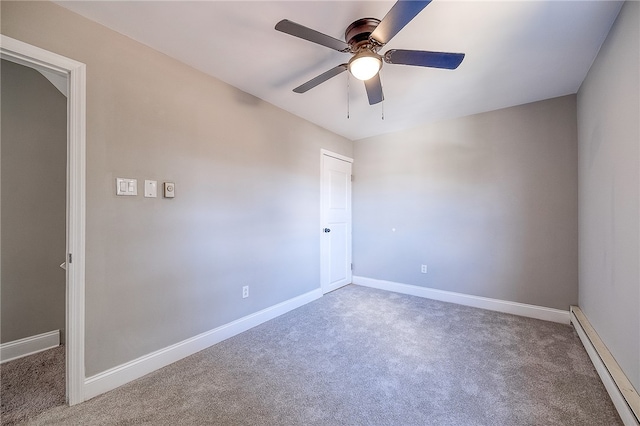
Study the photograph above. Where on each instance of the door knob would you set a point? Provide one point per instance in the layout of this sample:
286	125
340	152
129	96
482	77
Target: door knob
327	230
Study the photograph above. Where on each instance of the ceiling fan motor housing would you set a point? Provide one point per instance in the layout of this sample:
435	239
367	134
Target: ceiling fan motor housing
357	34
363	38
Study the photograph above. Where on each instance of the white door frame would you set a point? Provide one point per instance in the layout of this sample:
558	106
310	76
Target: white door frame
35	57
323	243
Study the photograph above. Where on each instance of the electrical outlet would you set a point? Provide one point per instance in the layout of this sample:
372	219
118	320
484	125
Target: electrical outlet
245	291
423	269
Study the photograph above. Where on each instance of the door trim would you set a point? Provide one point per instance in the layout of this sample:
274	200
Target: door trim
323	248
334	155
35	57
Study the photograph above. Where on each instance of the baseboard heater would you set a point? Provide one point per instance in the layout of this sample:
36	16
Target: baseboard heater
623	394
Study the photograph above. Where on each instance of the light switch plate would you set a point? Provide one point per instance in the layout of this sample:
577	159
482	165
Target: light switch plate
150	188
126	186
169	190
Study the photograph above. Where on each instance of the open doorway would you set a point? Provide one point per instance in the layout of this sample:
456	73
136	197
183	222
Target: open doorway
74	74
33	153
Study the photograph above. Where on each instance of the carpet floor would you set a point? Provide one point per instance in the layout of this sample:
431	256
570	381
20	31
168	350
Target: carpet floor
31	385
360	356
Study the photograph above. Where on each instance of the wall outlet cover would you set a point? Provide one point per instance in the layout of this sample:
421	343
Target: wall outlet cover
150	188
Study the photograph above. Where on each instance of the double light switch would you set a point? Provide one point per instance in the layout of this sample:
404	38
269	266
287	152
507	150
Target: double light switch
126	186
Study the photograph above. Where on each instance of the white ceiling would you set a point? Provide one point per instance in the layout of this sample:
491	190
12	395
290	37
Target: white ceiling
516	52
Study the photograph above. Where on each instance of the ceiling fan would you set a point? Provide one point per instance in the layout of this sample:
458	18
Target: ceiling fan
364	38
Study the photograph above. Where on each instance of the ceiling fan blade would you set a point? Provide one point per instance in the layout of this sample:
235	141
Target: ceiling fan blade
300	31
422	58
374	89
321	78
400	15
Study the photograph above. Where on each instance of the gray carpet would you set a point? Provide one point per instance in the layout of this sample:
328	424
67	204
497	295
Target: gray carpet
360	356
31	385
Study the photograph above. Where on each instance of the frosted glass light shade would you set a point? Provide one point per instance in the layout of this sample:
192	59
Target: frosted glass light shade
365	65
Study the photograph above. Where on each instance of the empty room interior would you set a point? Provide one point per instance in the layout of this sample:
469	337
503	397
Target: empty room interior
207	218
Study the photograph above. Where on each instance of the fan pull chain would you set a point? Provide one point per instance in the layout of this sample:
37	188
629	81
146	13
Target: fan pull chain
382	102
348	95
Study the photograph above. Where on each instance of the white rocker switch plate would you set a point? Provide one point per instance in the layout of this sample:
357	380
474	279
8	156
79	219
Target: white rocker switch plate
126	186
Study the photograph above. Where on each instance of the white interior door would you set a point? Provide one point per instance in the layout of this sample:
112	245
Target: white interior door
335	246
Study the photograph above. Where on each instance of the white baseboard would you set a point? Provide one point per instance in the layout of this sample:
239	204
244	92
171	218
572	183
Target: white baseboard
29	346
515	308
118	376
624	396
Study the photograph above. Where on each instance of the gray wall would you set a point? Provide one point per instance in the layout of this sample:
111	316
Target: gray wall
33	151
609	170
488	202
247	206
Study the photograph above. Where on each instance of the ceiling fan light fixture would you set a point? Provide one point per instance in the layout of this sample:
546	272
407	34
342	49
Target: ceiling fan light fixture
365	64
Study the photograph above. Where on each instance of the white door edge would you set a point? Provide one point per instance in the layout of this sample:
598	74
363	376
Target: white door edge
35	57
